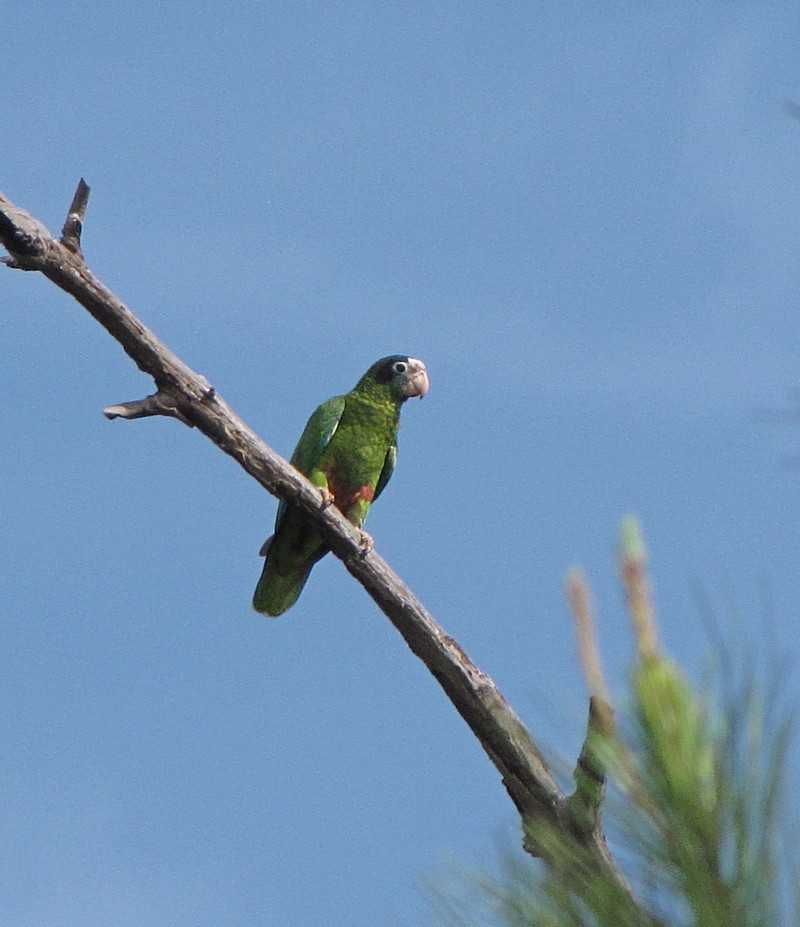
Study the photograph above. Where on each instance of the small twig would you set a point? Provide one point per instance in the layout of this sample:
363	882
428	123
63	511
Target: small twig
163	402
71	233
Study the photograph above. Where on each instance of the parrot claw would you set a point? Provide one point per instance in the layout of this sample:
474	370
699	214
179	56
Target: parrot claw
327	497
366	544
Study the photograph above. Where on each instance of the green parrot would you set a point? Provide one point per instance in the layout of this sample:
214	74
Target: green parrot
349	450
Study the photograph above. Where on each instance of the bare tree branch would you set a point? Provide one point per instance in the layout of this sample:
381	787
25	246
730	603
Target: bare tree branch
187	396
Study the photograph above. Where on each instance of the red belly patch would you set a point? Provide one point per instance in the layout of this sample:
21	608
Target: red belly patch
345	498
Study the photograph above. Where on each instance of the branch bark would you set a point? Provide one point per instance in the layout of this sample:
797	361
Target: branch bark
187	396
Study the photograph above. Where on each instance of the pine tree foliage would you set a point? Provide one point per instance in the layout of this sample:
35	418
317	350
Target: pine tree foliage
697	806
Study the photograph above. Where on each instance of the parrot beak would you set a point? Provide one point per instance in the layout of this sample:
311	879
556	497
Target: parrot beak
417	383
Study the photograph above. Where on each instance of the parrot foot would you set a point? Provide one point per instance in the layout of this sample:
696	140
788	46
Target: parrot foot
366	544
327	497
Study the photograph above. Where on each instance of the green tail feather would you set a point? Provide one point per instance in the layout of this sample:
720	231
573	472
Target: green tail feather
276	592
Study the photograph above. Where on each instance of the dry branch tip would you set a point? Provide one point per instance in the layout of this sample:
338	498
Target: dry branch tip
73	226
162	402
24	237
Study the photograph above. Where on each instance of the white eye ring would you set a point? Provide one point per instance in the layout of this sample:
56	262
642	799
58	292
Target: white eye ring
400	367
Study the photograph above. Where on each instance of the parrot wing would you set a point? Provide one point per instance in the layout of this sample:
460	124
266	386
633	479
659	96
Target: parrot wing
386	473
316	435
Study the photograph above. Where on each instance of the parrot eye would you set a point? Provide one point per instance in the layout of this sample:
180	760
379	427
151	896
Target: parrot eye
400	367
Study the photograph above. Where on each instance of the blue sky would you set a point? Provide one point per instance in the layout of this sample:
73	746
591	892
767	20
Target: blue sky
584	220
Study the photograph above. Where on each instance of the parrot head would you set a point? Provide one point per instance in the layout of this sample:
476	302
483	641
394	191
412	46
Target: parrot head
404	376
